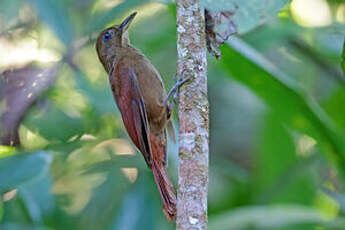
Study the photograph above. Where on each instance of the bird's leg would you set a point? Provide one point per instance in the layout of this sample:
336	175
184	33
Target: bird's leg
174	90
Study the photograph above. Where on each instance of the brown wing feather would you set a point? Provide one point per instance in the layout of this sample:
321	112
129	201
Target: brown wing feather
132	108
131	105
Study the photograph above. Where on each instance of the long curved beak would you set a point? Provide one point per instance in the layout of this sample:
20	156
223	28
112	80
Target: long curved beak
125	24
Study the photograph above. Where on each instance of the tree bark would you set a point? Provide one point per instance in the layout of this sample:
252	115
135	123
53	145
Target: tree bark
193	117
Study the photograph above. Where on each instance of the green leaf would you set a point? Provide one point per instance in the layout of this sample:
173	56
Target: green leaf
54	14
16	226
103	199
6	150
343	58
276	147
247	14
37	198
281	176
264	217
283	96
22	168
334	107
1	209
141	197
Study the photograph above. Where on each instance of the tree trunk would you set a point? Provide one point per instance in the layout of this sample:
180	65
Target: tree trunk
193	117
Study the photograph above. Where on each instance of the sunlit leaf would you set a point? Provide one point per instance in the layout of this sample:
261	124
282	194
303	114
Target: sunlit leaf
338	199
6	150
22	168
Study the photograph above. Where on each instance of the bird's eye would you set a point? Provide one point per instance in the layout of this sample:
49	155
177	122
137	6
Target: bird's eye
106	36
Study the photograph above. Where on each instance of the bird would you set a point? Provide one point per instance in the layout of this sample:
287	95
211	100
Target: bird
141	98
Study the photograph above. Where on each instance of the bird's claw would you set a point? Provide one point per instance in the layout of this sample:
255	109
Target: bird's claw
174	90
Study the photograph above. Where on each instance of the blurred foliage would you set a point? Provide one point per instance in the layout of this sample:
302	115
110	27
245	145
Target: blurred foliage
343	58
277	117
19	89
260	11
32	166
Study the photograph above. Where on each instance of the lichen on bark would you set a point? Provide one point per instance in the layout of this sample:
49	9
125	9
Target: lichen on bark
193	117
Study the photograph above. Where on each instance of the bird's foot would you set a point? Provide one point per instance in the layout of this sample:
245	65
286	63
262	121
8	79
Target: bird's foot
174	90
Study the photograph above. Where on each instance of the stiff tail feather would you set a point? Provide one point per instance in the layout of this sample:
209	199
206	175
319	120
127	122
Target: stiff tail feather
166	190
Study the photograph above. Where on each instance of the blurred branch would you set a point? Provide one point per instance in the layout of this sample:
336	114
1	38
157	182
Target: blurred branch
193	117
320	62
19	90
21	87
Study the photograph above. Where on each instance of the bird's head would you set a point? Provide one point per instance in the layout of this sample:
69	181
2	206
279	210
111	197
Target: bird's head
112	38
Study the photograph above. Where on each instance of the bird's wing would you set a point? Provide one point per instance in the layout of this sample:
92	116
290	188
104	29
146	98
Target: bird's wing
131	105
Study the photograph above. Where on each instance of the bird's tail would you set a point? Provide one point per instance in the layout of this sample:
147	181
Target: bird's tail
166	190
